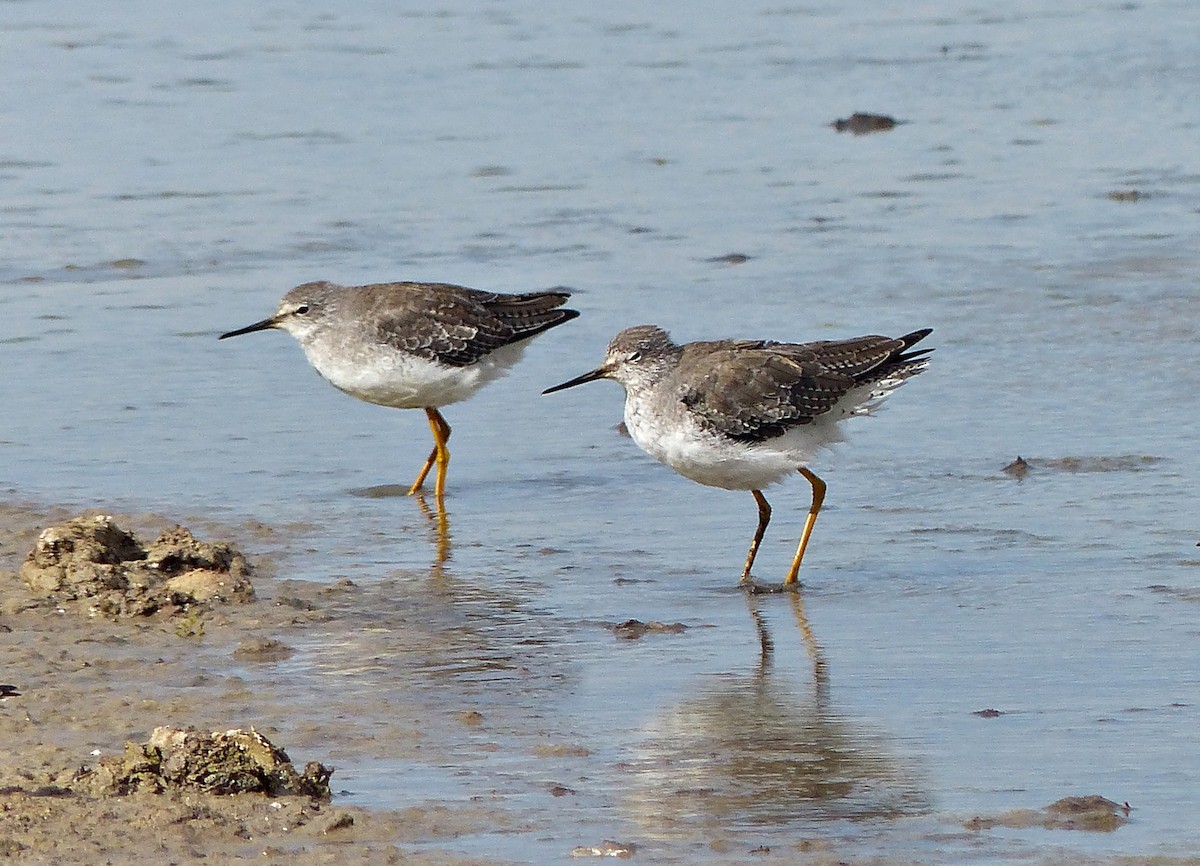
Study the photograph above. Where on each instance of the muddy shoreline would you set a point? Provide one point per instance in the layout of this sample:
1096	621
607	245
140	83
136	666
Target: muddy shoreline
401	678
87	684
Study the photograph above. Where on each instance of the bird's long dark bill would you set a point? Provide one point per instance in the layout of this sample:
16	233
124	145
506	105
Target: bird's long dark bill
598	373
250	329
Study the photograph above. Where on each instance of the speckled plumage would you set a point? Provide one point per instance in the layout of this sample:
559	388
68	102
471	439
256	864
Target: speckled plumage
413	345
743	414
449	324
755	391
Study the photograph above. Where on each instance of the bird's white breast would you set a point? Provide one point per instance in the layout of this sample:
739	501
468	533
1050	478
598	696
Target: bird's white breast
667	431
381	374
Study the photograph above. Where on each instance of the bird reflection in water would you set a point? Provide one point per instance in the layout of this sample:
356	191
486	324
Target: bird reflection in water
438	520
751	749
820	673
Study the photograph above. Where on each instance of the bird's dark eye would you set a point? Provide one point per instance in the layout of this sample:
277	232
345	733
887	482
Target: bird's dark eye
635	356
302	310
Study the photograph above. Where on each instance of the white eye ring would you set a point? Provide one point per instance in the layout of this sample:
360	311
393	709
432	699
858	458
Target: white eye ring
302	309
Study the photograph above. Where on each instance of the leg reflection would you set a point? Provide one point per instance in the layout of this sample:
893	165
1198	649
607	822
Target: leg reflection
766	647
820	672
440	521
815	654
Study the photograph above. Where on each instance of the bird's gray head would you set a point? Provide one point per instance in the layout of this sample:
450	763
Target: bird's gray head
637	356
302	312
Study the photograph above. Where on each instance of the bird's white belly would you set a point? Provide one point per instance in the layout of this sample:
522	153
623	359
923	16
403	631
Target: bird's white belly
382	375
717	461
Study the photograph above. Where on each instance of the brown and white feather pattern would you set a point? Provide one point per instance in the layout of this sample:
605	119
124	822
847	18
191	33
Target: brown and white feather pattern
413	345
755	391
743	414
457	326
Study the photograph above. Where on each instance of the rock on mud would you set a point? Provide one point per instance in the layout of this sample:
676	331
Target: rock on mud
1021	467
229	762
91	558
1088	813
635	629
607	848
864	123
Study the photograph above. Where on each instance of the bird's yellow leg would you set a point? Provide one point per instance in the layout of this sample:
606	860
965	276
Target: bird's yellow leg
440	437
764	517
818	496
416	485
439	454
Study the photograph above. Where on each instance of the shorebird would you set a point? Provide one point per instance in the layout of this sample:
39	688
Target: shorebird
413	345
744	414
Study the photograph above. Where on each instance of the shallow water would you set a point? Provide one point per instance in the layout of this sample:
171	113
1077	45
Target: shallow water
167	174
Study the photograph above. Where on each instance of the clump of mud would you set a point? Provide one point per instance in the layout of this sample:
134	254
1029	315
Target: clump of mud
607	848
864	123
635	629
92	559
1092	813
1021	467
184	759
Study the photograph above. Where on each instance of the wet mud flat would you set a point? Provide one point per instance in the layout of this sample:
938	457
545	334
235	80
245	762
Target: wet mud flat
97	684
168	698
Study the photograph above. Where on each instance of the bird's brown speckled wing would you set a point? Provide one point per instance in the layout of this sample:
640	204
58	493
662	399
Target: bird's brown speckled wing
457	326
754	391
856	357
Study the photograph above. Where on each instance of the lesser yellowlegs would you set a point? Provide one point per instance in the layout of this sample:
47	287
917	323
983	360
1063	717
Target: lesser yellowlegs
743	414
413	345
